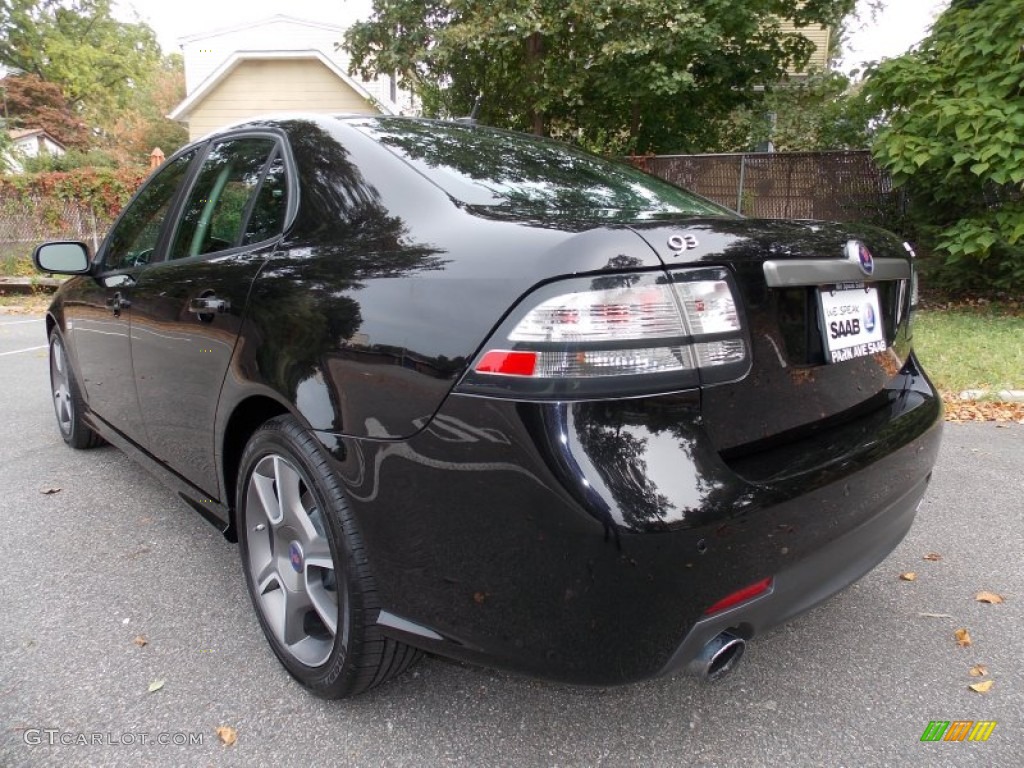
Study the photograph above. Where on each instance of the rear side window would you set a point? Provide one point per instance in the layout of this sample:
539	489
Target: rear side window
133	241
267	217
225	193
487	167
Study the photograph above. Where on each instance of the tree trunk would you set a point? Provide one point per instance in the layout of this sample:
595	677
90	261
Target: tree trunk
534	54
634	122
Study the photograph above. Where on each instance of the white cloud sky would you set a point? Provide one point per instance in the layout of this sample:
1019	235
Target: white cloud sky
901	24
173	19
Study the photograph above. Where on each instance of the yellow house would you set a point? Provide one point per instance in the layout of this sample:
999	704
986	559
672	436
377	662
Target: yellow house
822	39
277	65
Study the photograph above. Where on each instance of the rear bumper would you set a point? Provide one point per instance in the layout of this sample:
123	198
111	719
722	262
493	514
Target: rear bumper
583	542
811	581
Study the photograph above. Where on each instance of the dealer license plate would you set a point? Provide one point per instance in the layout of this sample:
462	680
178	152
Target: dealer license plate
852	321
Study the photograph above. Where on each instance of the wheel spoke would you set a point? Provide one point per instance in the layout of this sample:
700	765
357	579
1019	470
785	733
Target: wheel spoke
294	608
318	554
58	358
264	495
62	402
267	577
324	601
288	482
272	604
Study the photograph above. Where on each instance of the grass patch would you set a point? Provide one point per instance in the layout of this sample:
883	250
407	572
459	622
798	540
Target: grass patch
16	265
971	348
25	304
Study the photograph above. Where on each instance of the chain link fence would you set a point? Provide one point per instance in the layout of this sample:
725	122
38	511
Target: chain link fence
832	186
26	222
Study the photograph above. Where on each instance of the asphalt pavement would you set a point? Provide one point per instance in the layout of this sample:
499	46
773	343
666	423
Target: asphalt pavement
112	555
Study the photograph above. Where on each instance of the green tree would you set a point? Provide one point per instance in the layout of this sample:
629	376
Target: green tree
821	111
5	147
97	60
642	75
953	136
132	132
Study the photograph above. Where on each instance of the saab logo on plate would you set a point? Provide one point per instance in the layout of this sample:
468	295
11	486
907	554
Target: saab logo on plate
869	318
857	252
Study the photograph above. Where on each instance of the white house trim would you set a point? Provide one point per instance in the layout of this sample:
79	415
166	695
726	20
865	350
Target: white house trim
26	143
183	110
22	138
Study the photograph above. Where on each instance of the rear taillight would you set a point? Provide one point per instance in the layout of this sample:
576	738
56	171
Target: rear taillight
913	276
616	335
910	288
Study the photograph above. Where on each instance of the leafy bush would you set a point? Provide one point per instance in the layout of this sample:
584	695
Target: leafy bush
105	190
69	161
953	114
16	260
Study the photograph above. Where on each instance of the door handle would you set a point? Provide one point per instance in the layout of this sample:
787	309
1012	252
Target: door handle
117	302
208	305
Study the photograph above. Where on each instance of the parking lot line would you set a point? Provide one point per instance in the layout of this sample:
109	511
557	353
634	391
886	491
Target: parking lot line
19	351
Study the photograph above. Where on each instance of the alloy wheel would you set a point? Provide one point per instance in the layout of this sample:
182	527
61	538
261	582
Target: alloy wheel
292	569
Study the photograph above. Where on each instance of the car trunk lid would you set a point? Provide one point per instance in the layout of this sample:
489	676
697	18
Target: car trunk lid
781	269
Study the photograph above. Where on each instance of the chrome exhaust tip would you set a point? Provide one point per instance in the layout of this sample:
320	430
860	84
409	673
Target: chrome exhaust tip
719	657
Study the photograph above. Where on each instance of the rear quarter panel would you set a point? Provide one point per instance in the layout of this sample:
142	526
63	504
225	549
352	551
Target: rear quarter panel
384	288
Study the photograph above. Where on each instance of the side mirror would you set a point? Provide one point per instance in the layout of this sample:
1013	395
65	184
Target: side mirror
62	258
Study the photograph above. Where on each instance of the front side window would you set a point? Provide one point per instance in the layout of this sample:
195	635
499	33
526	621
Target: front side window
214	216
135	236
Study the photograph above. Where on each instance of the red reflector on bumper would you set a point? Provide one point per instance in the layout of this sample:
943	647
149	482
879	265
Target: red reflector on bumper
508	363
740	596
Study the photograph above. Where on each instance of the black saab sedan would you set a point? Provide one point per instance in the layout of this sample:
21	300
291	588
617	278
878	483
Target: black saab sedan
484	395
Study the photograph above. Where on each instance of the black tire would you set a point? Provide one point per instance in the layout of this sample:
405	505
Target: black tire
68	405
286	591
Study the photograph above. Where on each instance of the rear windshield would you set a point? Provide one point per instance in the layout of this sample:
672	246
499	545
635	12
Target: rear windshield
487	167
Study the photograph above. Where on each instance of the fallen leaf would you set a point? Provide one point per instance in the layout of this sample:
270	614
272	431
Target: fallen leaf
156	685
933	557
908	576
982	687
479	597
141	641
227	735
978	670
981	410
49	491
989	597
963	638
935	615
